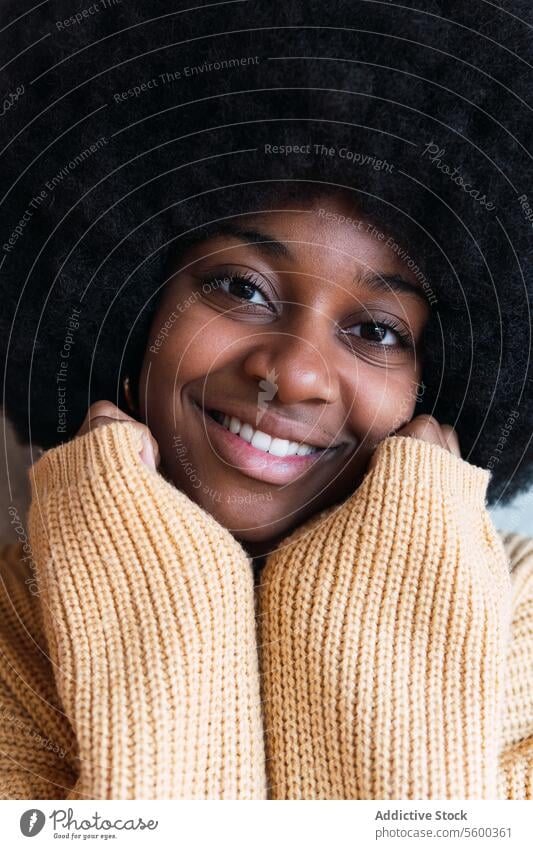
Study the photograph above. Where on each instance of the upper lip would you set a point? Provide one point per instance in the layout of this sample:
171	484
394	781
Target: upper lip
273	423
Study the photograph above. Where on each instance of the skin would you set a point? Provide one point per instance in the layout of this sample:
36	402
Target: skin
309	324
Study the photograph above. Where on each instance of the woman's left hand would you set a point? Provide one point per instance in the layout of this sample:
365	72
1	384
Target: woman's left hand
428	429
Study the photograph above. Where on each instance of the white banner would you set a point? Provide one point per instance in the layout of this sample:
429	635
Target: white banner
269	824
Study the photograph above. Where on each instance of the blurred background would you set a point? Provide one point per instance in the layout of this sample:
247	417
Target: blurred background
14	492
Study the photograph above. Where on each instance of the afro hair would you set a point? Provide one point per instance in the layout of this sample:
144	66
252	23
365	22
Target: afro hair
128	131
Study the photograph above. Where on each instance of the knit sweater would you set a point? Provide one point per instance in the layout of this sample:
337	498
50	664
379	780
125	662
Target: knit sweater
384	653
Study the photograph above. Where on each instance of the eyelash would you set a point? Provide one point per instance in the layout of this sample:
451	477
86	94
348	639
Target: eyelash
405	339
238	277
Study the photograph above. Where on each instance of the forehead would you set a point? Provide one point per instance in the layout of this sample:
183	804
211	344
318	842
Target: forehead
328	233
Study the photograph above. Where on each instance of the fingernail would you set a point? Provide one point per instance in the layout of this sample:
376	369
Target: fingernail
147	454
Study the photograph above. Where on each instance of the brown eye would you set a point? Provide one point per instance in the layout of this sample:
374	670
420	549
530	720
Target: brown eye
239	286
380	333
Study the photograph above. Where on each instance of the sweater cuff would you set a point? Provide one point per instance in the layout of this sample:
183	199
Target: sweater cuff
104	449
431	467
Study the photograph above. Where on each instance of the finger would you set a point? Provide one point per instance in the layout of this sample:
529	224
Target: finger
430	431
150	452
147	453
104	413
100	413
101	421
426	428
452	440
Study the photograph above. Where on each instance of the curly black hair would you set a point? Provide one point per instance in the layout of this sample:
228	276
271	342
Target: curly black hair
128	130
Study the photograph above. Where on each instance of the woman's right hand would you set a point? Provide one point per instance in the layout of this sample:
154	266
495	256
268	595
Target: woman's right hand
103	413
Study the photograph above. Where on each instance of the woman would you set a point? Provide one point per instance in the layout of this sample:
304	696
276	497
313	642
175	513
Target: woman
262	566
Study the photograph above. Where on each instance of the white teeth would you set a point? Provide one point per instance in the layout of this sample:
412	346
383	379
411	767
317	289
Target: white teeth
279	447
246	432
264	442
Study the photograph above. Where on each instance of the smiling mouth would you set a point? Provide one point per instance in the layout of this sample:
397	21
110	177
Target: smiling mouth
261	440
258	454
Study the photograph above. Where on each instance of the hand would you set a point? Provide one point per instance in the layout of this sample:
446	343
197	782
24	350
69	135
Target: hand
104	413
428	429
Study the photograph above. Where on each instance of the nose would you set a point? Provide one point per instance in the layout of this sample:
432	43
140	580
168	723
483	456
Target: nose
295	368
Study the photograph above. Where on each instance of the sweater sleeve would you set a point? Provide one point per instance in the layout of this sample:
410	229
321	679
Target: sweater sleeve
148	612
38	757
384	633
516	757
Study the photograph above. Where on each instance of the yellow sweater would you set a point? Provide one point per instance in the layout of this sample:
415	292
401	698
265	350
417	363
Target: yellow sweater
385	653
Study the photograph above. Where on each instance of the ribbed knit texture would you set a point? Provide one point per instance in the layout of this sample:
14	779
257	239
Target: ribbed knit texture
149	615
386	654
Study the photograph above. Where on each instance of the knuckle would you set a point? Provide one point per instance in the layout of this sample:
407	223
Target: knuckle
100	408
98	421
425	418
428	423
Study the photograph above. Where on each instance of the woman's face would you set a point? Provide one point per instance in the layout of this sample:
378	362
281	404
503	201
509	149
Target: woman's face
284	349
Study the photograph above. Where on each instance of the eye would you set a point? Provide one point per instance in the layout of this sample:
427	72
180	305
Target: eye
383	334
241	286
380	334
241	293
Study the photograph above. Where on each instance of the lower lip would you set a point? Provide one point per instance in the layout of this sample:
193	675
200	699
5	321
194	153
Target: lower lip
250	461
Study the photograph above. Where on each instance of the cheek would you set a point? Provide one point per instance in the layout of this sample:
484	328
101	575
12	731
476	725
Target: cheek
196	345
381	400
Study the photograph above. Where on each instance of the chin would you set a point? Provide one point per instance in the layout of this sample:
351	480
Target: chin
253	513
249	516
252	525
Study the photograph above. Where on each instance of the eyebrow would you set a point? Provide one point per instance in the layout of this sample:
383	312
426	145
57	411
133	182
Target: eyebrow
273	248
262	242
376	282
